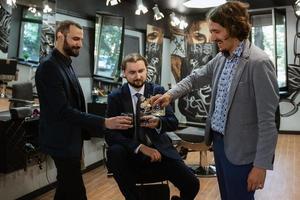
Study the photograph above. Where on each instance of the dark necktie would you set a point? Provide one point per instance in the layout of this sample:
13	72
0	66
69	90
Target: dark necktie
139	132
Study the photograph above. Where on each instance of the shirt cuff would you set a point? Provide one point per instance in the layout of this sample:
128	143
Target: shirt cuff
137	149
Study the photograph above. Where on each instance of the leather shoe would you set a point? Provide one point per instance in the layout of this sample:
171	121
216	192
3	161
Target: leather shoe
175	197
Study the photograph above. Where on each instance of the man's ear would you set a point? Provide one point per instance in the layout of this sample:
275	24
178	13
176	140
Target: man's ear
60	35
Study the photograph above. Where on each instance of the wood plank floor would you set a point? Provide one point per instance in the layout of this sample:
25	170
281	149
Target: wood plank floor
281	184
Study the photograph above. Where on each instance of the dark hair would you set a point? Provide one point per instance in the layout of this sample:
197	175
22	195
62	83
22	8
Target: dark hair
64	27
133	57
233	16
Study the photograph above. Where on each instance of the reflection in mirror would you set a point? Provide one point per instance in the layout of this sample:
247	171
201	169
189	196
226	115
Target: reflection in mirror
29	29
108	45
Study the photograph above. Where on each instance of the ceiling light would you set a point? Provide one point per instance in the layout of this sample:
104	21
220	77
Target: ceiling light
47	8
174	20
203	4
32	9
297	8
112	2
140	8
157	14
11	2
182	24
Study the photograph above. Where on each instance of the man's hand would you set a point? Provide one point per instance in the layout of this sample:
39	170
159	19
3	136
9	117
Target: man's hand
150	121
118	122
256	179
162	100
154	155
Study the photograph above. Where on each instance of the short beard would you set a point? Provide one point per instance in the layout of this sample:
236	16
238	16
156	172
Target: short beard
136	85
70	51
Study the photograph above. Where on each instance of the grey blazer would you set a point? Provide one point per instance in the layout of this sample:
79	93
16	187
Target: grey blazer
250	132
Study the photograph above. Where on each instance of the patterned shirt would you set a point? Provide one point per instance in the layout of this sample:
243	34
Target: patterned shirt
219	116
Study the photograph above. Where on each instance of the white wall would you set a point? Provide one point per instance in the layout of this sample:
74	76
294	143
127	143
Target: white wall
290	123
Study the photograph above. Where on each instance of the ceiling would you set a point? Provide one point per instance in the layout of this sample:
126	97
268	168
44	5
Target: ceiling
177	5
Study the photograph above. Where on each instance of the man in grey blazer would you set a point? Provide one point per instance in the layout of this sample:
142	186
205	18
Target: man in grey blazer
241	121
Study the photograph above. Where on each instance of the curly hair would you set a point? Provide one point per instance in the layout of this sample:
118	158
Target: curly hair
233	16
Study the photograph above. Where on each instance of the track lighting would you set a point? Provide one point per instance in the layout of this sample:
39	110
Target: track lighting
140	8
297	8
47	8
112	2
157	14
174	20
11	2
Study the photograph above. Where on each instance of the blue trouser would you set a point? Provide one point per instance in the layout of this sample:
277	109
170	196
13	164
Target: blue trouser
232	178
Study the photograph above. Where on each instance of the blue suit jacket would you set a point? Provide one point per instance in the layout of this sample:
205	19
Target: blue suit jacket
63	120
119	101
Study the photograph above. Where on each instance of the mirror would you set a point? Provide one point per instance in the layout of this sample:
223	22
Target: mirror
109	36
29	29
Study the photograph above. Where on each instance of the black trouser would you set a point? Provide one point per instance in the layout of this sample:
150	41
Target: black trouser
70	185
127	168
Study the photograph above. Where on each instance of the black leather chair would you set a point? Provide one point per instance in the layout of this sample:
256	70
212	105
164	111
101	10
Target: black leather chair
22	95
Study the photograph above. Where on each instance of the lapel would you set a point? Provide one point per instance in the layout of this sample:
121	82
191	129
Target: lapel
126	99
148	90
76	90
239	71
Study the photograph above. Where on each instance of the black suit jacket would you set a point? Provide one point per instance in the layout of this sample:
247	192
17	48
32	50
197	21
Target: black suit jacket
63	119
119	101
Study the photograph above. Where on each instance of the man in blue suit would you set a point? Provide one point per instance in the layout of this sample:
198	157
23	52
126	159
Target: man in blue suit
128	154
63	120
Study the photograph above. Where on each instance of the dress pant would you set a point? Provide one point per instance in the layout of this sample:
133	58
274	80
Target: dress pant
128	167
70	184
232	179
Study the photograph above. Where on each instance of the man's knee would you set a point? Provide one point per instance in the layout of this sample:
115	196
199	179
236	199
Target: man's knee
116	155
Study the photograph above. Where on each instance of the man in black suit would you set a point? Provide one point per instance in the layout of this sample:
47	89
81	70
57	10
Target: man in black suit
128	154
63	120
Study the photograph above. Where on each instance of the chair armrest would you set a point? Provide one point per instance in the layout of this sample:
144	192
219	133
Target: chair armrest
20	101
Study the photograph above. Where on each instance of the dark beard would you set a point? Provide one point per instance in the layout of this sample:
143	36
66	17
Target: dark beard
133	84
70	51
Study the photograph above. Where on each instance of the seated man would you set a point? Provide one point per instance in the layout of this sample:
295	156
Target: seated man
146	146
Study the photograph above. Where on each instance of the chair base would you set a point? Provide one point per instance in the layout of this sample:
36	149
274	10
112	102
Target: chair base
207	171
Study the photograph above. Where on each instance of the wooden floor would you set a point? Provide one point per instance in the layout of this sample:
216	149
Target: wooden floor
281	184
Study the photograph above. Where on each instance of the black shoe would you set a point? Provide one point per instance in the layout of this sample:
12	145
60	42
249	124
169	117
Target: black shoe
183	152
175	198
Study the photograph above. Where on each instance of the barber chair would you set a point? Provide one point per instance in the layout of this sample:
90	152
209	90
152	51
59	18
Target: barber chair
22	95
192	139
8	70
150	186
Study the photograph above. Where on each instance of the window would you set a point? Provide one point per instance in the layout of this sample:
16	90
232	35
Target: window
29	46
269	33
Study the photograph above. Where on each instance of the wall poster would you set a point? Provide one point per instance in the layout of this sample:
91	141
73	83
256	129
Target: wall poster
154	46
191	50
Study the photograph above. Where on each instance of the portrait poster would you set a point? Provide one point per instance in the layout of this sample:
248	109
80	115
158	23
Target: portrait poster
197	50
47	34
154	46
5	20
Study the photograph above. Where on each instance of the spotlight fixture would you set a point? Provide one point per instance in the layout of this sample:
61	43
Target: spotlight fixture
297	8
157	14
140	8
203	4
47	8
182	24
112	2
11	2
174	20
